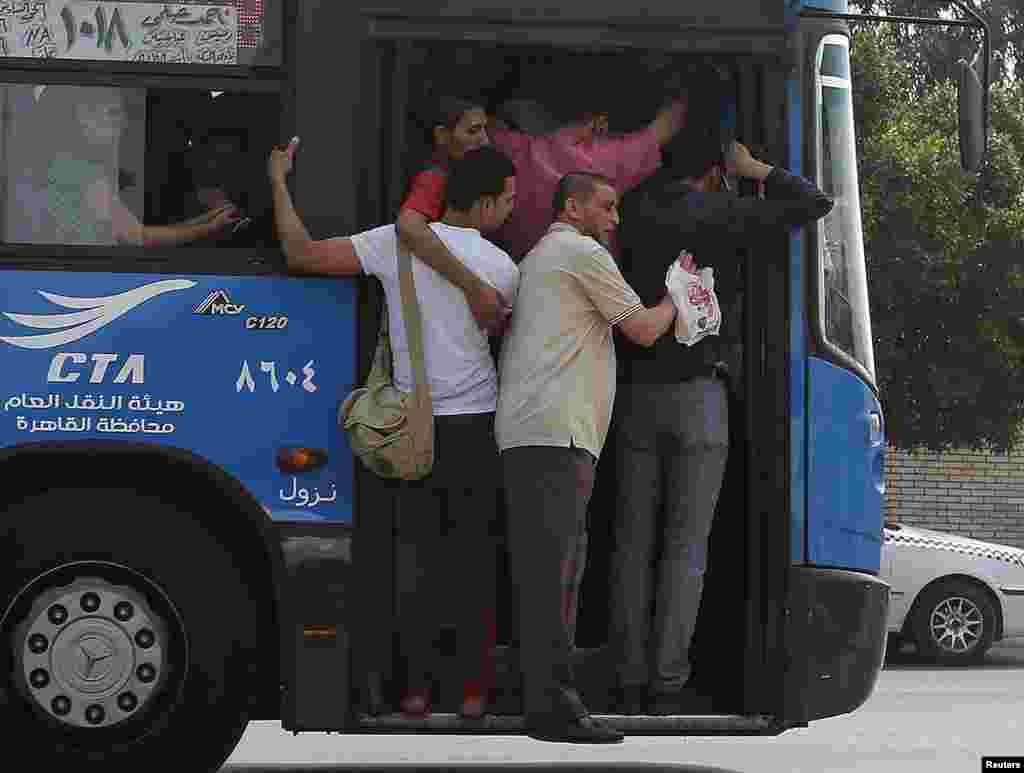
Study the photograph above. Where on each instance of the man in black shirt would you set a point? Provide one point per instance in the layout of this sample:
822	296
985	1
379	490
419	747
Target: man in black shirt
672	404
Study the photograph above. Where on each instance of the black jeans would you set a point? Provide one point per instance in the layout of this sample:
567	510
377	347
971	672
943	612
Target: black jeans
547	489
445	549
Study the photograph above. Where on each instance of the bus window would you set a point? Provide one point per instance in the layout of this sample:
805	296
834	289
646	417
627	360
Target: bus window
846	319
95	166
199	32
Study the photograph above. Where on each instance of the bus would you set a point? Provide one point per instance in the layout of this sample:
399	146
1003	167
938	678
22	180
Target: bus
159	593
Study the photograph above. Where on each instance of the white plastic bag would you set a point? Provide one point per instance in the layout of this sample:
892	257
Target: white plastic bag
693	293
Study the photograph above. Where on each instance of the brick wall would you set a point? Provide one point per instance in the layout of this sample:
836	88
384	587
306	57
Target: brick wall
976	494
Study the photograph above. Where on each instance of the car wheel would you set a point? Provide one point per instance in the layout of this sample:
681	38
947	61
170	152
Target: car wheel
954	622
128	640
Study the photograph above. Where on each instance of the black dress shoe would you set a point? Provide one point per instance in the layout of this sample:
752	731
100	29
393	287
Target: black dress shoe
585	729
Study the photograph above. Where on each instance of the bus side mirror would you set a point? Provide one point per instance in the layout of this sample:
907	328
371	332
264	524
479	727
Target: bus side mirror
971	117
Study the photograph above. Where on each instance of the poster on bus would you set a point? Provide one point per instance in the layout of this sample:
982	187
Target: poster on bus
164	33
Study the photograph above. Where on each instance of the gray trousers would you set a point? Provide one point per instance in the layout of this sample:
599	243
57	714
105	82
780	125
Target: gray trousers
547	490
672	445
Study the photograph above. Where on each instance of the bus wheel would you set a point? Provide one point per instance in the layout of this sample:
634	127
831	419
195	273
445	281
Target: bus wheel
128	639
954	622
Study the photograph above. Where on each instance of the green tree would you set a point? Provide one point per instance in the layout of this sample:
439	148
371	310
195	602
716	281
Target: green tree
933	52
944	251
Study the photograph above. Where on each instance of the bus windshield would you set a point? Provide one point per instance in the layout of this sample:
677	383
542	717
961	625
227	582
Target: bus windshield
845	318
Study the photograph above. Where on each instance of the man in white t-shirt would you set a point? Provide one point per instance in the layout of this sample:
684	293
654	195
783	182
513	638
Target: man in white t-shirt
464	390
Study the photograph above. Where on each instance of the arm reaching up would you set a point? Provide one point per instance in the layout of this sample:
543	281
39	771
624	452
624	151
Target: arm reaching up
304	254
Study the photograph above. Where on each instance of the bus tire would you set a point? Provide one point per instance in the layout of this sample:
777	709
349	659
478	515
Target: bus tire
128	642
954	622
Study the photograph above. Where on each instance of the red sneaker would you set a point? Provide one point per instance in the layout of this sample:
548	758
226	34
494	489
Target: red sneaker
474	701
415	704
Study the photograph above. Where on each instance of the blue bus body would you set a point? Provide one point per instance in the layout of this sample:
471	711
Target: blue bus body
256	364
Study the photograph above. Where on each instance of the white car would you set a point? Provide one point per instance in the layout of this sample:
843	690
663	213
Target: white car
952	597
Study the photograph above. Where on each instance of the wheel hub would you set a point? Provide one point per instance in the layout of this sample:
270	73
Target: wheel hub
92	657
957	625
92	653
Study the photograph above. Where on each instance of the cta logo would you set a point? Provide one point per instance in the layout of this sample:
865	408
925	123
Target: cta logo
64	368
217	304
87	315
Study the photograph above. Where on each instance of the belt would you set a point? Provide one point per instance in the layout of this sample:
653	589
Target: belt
717	370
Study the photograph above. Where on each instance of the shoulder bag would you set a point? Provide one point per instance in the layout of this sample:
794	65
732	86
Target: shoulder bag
391	432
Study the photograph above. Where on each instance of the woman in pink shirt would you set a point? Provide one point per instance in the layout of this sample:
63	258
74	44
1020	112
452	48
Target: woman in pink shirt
583	146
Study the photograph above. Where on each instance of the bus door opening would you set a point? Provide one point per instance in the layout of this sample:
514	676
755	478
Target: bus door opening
524	87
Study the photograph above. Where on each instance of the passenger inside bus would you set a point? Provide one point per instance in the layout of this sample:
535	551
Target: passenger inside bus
221	176
104	166
455	125
582	144
75	180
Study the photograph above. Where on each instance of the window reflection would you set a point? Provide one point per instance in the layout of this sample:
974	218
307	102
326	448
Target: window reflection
68	150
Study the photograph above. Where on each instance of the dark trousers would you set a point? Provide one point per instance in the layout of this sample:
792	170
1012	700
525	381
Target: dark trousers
673	442
547	490
445	551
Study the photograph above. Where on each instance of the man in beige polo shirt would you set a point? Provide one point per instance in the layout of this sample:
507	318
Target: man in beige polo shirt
557	386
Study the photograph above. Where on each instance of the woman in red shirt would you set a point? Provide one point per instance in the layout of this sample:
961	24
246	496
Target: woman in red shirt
457	126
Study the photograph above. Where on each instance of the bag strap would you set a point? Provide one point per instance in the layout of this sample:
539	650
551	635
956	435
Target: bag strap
413	326
381	371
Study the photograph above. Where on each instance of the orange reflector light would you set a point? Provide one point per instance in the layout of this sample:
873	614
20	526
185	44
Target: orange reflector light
292	461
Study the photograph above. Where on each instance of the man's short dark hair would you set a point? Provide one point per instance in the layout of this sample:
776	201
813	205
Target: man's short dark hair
579	185
698	146
694	150
482	172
